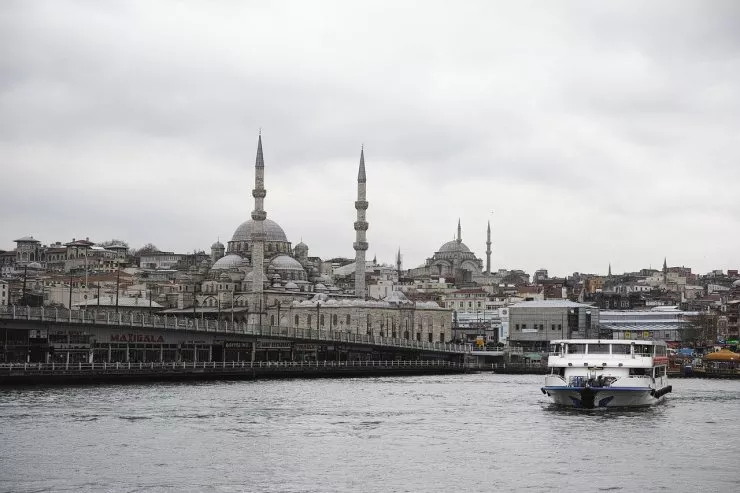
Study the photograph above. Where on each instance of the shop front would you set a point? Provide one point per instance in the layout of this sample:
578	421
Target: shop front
274	351
237	351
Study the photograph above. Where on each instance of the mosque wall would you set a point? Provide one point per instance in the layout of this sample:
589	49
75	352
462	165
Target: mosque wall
422	324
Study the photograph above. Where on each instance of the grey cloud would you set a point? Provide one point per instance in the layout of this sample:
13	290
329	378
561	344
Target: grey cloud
157	106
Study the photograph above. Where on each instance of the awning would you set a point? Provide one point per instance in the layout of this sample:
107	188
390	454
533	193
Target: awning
532	356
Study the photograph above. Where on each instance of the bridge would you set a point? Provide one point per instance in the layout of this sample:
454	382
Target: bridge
109	329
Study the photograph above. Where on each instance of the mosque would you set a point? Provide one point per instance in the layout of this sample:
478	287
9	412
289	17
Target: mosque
454	260
261	279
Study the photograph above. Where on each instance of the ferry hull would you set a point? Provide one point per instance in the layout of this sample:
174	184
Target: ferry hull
604	397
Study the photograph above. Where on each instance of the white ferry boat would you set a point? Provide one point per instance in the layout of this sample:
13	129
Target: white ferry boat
591	373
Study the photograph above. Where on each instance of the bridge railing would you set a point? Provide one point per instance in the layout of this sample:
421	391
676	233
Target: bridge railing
173	322
223	365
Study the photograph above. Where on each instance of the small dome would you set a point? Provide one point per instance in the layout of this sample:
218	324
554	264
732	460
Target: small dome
320	287
291	285
397	297
285	262
736	283
301	246
231	261
273	231
35	265
217	246
454	246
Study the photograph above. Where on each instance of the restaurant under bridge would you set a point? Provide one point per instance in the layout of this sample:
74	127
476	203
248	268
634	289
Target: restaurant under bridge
44	335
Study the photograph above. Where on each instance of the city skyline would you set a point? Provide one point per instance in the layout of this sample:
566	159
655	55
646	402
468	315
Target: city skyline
586	136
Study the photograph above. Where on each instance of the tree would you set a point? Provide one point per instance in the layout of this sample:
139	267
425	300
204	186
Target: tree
701	330
146	249
113	241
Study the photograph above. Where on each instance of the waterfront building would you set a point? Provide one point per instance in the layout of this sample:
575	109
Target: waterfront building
532	324
661	323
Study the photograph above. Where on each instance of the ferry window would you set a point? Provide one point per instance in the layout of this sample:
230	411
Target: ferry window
576	348
644	350
598	349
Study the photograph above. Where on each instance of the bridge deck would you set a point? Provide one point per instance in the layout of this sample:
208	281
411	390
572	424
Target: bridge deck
146	321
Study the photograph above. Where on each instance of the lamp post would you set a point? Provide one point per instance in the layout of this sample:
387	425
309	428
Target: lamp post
118	283
70	294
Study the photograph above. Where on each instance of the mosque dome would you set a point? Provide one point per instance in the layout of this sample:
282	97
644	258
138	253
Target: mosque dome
273	231
736	283
231	261
291	286
454	246
301	246
218	245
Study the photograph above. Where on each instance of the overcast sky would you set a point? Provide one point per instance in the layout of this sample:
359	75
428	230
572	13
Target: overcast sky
586	132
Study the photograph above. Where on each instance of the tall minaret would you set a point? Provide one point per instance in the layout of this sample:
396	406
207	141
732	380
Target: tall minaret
398	263
361	226
665	270
609	275
488	249
459	231
258	231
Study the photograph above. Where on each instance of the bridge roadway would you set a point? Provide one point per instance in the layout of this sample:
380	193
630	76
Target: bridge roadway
24	317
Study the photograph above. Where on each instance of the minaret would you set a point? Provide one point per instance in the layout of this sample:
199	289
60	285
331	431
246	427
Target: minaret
361	226
488	249
398	263
459	231
609	275
258	231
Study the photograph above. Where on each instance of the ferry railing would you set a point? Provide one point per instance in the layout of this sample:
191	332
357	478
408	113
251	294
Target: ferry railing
94	317
223	365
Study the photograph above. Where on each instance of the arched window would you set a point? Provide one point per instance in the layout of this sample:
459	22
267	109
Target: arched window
348	319
334	319
406	334
308	321
322	320
272	319
296	320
